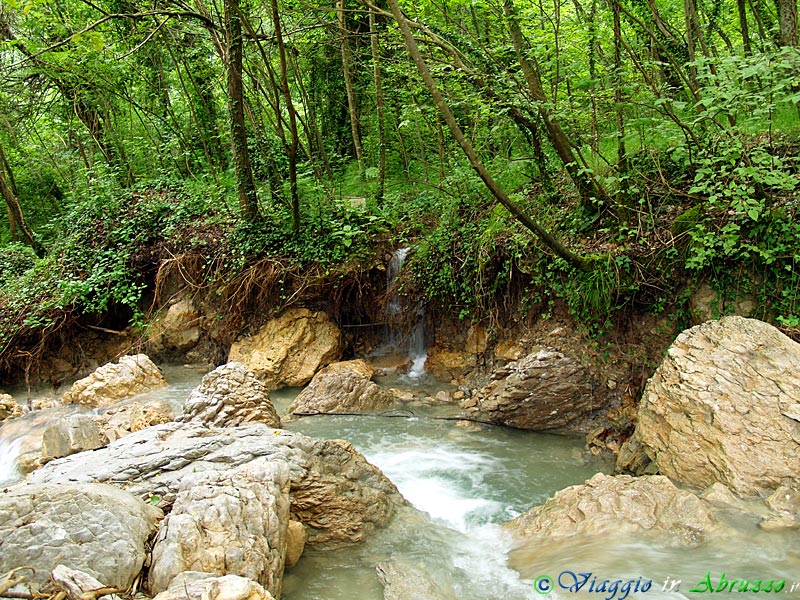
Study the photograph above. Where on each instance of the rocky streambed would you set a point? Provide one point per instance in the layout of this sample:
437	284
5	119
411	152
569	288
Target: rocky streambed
218	498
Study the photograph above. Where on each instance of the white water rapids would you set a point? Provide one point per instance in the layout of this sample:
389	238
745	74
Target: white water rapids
465	481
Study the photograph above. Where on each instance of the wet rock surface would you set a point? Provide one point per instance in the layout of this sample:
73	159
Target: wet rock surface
722	406
620	505
9	409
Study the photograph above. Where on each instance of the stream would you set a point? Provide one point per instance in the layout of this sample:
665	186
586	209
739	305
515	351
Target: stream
463	480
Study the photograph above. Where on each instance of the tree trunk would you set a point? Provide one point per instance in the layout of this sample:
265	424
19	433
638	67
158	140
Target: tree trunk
352	104
743	28
16	218
787	16
291	148
378	80
544	236
248	199
589	189
622	160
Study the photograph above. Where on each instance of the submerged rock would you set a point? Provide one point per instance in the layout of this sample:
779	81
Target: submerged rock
114	382
402	580
289	349
723	406
193	585
231	522
544	390
97	529
620	505
228	396
296	537
334	491
342	387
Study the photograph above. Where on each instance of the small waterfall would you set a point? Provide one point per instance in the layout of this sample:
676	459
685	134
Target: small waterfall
406	324
9	451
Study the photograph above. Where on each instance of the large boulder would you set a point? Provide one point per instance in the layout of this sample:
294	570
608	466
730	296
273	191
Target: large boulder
334	491
342	387
9	408
98	529
194	585
724	405
114	382
175	330
544	390
227	522
228	396
621	505
289	349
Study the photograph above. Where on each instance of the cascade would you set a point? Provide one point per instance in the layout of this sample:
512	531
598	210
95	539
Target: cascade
399	316
9	451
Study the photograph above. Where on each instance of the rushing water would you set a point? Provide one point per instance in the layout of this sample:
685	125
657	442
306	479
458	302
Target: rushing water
463	480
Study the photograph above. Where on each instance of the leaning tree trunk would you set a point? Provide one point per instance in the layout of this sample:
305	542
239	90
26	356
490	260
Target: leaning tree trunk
248	199
544	236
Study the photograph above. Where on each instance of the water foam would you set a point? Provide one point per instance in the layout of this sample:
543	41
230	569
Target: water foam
9	452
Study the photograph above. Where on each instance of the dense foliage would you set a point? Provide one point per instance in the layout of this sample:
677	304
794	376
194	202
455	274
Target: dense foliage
656	142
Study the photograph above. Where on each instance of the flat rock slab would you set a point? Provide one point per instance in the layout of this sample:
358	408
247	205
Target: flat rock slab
334	491
94	528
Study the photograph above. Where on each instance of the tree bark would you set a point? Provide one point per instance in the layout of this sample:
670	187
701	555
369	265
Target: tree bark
292	146
352	103
544	236
379	105
743	28
248	199
16	218
787	16
622	160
